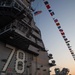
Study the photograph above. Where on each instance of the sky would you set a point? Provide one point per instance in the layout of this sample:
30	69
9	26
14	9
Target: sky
65	12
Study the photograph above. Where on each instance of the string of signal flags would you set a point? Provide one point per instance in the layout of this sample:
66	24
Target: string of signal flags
59	28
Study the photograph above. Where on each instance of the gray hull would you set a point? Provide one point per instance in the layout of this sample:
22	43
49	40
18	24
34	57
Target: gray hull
22	50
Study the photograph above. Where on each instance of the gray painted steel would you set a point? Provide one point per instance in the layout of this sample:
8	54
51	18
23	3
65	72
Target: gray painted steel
22	50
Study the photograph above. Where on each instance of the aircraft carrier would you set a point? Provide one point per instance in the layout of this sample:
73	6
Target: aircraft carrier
22	51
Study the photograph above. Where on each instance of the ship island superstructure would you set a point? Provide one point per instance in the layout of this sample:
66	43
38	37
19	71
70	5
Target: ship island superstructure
22	51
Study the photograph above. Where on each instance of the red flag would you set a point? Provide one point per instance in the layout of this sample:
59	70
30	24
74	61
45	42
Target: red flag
55	20
52	13
37	12
62	33
61	30
48	6
57	24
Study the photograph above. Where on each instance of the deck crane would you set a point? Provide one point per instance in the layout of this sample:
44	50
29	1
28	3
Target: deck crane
59	27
